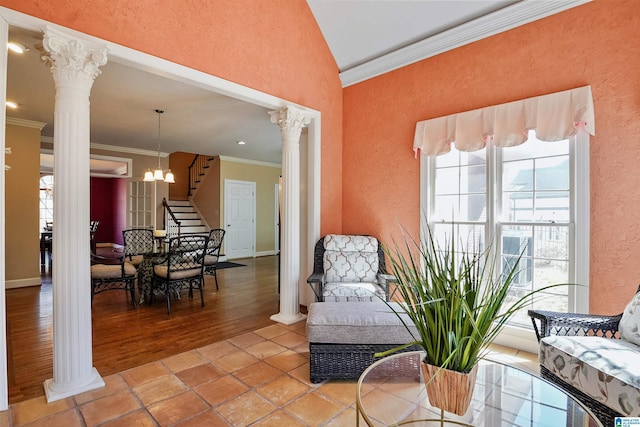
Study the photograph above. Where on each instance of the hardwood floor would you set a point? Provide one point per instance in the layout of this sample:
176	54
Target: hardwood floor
124	337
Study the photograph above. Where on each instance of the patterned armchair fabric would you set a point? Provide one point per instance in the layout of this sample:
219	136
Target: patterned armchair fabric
593	357
349	268
607	370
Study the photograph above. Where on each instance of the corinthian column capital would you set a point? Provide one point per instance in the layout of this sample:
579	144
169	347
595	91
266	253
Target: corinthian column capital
72	60
290	120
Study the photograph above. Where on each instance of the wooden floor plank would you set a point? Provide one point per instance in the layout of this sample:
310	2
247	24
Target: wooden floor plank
124	337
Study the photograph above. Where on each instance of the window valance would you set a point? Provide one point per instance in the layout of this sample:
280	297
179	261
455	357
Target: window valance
554	117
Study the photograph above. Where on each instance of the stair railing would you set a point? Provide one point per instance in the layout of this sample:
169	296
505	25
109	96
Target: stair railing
171	223
197	169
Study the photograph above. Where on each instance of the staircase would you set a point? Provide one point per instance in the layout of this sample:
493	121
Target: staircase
190	221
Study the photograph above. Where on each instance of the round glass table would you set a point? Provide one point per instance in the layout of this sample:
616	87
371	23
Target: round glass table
391	392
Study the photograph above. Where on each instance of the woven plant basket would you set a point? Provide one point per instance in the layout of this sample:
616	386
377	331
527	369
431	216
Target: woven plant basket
449	390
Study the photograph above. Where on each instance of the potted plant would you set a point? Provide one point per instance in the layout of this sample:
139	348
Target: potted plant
458	302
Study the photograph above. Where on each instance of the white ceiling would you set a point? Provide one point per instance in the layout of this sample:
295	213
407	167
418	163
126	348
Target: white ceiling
366	37
359	31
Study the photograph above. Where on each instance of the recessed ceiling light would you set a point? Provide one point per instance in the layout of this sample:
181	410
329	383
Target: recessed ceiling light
11	104
17	47
241	143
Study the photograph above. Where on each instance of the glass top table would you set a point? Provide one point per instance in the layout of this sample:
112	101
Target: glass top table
392	392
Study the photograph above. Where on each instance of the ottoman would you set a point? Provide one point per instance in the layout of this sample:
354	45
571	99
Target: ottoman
344	336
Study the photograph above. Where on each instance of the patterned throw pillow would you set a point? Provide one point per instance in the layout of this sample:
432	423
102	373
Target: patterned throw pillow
630	323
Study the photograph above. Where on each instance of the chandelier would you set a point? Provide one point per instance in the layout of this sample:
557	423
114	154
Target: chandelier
158	173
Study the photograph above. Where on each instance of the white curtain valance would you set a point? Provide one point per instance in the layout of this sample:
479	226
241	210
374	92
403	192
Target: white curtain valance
554	117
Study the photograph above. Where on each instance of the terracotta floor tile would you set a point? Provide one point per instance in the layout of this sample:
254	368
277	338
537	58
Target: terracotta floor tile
218	391
144	373
183	361
257	374
217	350
300	327
108	408
302	349
233	361
345	419
159	389
207	419
290	339
272	331
113	384
33	409
301	373
283	390
139	418
343	391
388	407
246	340
245	409
200	374
314	409
178	408
69	418
280	419
287	360
264	349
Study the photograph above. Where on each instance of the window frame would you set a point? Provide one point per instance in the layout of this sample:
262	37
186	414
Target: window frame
579	226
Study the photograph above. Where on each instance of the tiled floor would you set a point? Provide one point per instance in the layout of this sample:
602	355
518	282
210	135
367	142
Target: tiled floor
260	379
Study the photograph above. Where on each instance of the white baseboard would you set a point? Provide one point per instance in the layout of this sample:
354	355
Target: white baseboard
265	253
23	283
109	245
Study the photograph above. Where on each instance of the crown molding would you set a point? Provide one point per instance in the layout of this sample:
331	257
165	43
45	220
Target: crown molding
129	150
116	148
502	20
25	123
250	162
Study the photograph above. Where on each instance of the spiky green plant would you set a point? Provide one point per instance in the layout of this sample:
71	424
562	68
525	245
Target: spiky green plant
454	297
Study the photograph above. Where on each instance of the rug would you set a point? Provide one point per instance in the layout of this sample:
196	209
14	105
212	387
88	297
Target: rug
228	264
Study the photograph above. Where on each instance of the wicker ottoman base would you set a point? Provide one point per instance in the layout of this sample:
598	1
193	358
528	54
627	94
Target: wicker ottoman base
343	361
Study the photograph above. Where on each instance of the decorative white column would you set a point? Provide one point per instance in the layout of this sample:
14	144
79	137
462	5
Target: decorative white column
291	120
74	65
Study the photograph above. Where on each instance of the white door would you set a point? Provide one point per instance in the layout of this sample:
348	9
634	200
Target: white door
239	214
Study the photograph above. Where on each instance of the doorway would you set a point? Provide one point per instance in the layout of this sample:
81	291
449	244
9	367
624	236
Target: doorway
158	66
239	218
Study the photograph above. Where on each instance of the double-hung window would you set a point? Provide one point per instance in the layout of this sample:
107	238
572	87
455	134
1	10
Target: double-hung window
531	199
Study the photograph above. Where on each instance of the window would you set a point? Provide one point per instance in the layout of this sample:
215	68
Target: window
140	202
532	198
46	200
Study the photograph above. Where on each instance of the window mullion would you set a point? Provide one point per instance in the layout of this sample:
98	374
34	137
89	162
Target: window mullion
493	230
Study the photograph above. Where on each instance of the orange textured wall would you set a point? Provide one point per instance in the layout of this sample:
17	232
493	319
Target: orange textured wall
591	44
274	46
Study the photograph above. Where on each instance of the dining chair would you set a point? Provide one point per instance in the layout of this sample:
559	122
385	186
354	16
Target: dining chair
213	253
138	242
181	267
112	273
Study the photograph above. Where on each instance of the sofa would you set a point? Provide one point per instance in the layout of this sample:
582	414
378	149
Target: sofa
595	358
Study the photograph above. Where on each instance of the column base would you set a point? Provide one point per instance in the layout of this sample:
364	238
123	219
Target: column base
54	391
288	319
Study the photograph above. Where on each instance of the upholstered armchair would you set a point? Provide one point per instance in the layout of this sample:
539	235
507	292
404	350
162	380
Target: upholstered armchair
349	268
